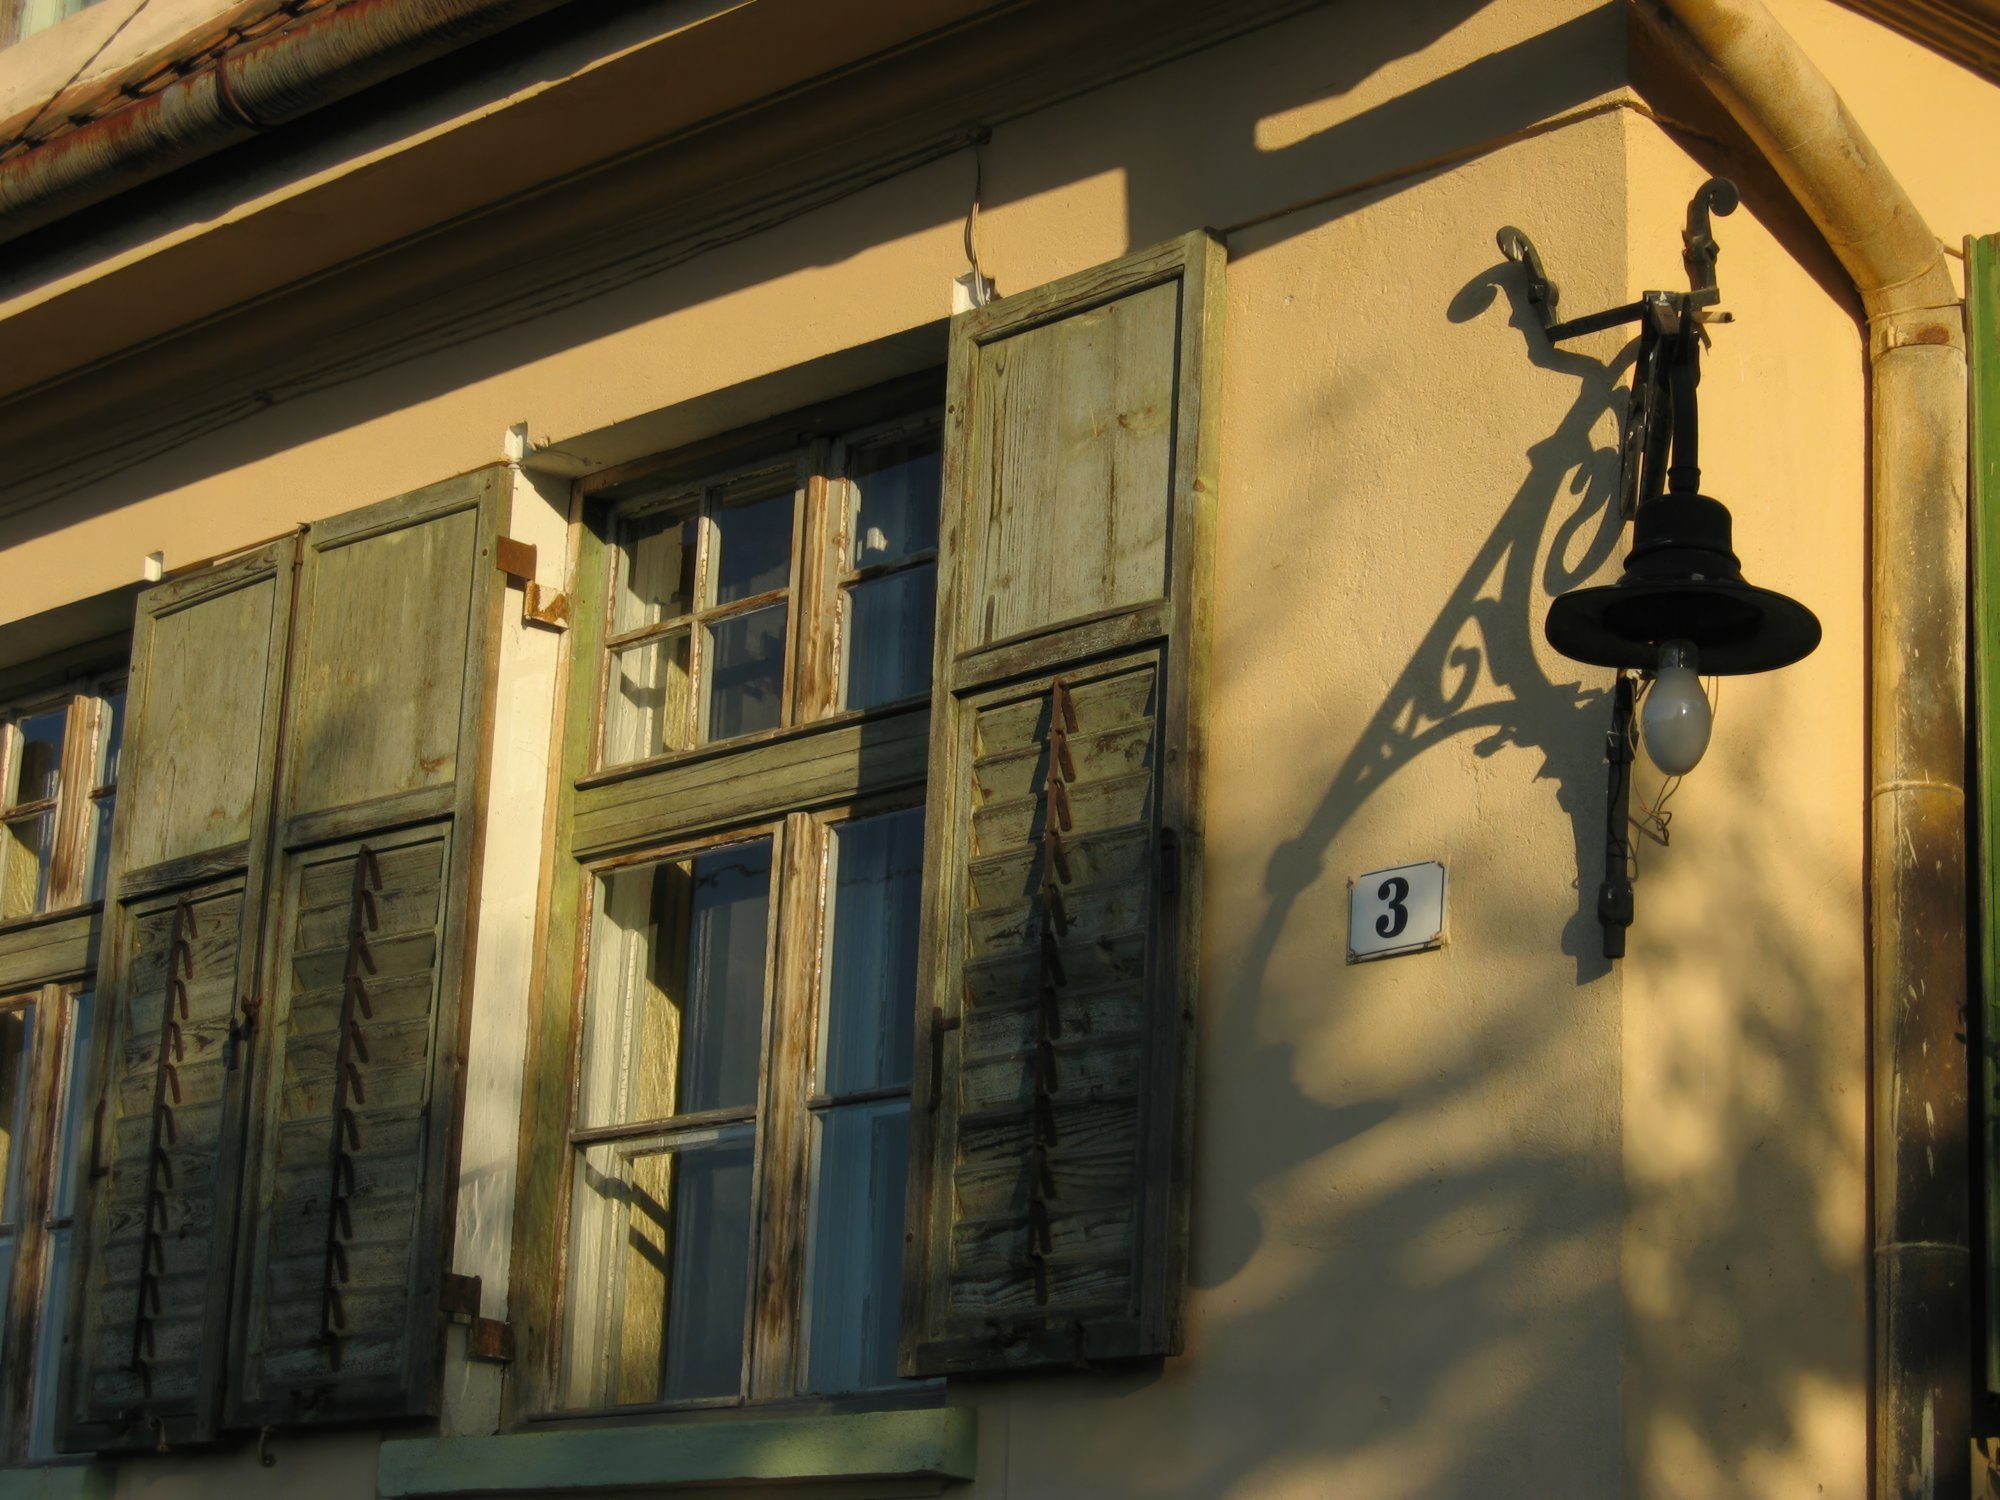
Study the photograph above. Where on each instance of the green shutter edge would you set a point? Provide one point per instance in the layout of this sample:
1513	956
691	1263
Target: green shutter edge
58	1482
937	1443
1982	315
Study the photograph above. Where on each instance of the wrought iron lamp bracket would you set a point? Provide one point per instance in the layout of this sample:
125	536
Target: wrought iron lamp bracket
1658	454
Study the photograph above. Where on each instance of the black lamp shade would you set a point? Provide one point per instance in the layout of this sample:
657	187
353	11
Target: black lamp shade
1682	582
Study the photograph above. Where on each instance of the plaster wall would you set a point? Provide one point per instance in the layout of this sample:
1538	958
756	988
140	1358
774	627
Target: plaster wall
1745	1262
1496	1220
1745	1265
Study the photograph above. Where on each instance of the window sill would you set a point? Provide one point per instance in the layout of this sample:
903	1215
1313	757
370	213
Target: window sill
937	1443
58	1482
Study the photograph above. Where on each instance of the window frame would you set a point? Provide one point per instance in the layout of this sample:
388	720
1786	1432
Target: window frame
799	818
74	875
54	1073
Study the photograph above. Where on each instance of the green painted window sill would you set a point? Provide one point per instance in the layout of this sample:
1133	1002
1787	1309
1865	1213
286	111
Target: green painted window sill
57	1482
937	1443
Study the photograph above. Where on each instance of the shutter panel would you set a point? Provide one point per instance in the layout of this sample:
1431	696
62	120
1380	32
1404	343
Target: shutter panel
388	713
1982	309
190	846
1051	1140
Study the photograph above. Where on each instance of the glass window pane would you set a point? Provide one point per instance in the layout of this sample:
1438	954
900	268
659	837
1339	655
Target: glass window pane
889	639
26	845
661	1251
40	756
895	489
58	1261
753	546
100	846
655	568
674	1019
112	739
646	700
855	1261
746	673
17	1027
874	887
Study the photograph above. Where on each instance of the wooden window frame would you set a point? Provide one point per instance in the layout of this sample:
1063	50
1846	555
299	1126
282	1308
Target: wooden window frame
84	703
825	766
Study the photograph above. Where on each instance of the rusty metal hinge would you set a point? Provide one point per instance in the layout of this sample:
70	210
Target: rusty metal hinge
539	605
490	1339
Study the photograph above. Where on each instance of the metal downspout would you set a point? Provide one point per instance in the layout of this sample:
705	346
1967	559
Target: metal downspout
1916	714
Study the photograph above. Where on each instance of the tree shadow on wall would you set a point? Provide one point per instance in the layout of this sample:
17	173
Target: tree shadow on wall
1474	671
1416	1275
1485	637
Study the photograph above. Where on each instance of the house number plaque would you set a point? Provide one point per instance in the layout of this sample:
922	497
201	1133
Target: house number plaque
1396	911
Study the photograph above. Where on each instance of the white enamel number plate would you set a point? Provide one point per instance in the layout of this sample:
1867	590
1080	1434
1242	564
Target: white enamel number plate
1395	911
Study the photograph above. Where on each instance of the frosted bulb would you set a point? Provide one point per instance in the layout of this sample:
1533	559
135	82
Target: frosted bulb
1675	719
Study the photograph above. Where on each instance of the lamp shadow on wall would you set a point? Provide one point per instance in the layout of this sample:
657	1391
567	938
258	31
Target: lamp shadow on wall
1499	600
1462	1247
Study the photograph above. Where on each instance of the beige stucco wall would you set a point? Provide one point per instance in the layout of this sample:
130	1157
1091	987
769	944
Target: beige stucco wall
1501	1220
1745	1258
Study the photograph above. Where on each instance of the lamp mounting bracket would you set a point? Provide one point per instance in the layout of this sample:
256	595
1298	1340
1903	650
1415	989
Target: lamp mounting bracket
1699	251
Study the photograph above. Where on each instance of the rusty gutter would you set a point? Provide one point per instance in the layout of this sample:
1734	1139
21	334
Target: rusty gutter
1920	1228
243	91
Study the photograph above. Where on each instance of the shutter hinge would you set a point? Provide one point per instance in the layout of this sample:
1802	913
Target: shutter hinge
1170	862
539	605
490	1339
242	1028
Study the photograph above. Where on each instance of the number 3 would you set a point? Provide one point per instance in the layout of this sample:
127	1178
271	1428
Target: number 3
1397	917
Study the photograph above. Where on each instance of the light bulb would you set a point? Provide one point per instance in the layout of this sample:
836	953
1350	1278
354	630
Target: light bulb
1675	719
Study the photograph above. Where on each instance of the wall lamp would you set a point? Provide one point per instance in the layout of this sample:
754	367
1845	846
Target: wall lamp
1681	608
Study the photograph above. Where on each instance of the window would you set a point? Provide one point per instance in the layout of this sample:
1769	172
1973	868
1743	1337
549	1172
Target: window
59	752
830	1090
44	1039
59	771
737	1144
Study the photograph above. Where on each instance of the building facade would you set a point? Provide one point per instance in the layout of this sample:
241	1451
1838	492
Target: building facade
697	691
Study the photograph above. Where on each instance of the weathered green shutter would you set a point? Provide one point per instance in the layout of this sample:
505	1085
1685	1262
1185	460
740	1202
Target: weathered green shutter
1982	311
1052	1122
146	1328
369	943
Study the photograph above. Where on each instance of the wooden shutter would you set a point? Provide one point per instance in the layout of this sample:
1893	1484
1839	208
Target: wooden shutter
1051	1136
387	720
146	1328
1982	316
